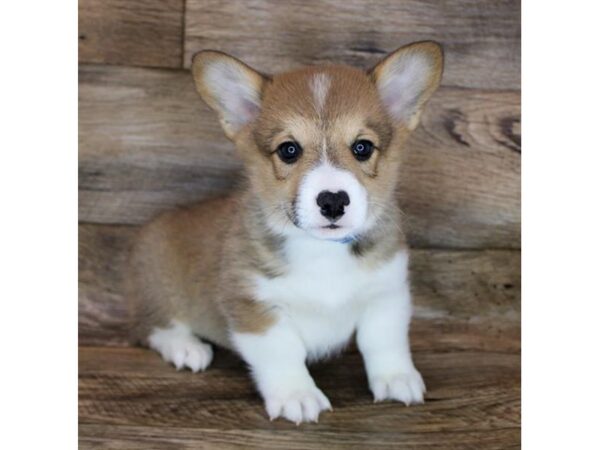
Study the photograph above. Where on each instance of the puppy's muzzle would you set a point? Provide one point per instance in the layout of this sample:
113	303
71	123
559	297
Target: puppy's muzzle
332	204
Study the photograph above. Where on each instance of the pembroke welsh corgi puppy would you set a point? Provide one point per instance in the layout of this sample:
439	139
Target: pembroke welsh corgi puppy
285	270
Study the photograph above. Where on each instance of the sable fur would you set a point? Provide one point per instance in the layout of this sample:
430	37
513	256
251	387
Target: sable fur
197	264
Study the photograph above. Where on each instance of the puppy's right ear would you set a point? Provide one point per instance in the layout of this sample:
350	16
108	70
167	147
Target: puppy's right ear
230	87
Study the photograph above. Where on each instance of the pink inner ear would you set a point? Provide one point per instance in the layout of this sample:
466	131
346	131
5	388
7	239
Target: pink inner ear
402	84
238	108
235	92
248	111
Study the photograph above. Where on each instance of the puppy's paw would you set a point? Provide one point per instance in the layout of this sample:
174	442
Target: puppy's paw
192	353
181	348
303	405
407	387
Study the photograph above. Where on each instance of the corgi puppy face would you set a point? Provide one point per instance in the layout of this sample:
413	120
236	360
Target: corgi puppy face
322	145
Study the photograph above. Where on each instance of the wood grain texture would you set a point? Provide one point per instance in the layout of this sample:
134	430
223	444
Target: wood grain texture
131	32
103	314
138	438
147	143
478	286
129	398
481	39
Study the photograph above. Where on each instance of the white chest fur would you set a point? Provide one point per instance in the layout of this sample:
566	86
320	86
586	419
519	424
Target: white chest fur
326	288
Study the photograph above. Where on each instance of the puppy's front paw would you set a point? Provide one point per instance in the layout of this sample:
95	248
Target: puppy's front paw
180	347
407	387
303	405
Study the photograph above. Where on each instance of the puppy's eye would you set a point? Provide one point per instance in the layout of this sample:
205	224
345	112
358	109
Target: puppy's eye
289	152
362	149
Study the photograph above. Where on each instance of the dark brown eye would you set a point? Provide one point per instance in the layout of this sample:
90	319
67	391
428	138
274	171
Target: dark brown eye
289	152
362	149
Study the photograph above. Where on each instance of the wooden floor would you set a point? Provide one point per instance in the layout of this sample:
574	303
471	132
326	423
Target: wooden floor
129	398
147	143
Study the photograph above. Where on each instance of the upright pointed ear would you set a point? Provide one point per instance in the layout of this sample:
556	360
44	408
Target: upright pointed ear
228	86
407	78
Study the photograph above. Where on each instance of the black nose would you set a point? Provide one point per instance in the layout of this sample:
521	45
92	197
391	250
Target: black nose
332	205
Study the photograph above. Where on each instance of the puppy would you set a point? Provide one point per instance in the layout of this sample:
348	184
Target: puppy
309	251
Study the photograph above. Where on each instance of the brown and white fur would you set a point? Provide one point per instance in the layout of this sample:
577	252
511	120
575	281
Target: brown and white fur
265	271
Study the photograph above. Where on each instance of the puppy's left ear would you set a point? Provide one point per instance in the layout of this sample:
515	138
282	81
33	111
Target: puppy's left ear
230	87
407	78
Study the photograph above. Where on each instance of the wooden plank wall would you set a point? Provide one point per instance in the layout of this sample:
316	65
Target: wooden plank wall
481	38
147	142
137	33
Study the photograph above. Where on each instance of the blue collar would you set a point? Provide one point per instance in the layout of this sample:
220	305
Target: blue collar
346	240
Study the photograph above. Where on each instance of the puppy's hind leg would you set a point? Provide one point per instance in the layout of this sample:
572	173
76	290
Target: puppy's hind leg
179	346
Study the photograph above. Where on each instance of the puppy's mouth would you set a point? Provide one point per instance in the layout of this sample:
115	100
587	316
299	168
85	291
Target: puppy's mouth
331	231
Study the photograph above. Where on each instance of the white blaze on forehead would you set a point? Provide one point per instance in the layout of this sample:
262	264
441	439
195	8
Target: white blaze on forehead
319	85
324	151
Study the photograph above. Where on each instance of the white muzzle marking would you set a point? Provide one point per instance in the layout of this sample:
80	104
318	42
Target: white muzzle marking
326	177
